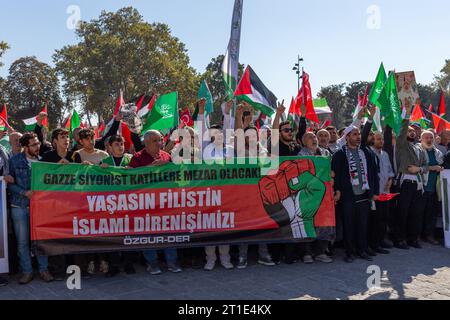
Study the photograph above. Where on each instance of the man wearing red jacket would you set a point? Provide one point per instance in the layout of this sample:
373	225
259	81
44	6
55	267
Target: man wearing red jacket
152	155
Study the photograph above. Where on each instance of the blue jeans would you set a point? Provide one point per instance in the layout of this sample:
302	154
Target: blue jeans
151	256
21	223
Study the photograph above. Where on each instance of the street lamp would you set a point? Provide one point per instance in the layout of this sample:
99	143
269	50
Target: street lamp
296	68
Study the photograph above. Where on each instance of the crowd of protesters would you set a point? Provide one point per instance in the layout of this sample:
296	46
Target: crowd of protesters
365	165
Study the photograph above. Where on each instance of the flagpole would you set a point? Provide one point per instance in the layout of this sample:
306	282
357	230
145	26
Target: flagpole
296	68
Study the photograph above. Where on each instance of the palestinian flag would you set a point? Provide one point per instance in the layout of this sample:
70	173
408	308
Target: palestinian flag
254	92
440	124
294	114
418	116
4	119
31	123
144	110
321	107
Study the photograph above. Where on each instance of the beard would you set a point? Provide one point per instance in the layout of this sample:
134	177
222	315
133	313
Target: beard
411	139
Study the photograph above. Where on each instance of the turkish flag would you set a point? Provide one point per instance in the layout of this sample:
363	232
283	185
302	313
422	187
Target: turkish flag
305	97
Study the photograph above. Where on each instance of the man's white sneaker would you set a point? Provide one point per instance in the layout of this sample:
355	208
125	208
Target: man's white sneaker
324	258
227	265
210	265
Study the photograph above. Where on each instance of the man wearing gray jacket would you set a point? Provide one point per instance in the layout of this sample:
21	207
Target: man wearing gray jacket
412	166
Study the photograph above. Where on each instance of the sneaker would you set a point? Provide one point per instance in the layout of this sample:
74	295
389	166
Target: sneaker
324	258
26	278
91	267
210	265
129	268
174	268
154	269
227	265
242	264
308	259
104	266
266	261
46	276
3	282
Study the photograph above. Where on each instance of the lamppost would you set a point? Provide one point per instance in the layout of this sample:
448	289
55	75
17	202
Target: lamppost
299	73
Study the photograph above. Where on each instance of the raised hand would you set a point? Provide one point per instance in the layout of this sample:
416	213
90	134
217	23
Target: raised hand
281	108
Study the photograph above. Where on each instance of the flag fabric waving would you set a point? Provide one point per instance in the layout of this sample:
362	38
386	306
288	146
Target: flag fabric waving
4	118
164	115
305	97
442	109
254	92
418	116
390	104
31	123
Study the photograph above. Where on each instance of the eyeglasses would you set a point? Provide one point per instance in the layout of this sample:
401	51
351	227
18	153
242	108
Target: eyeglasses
287	130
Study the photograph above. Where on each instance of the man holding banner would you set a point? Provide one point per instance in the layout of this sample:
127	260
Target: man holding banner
153	155
20	170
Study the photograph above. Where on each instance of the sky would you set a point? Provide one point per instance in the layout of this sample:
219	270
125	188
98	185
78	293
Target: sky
340	41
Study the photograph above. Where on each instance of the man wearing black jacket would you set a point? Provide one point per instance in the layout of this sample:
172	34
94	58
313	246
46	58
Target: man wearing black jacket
356	180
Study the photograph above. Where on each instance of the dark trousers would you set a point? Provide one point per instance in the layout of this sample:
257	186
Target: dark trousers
355	214
57	264
378	224
288	250
430	212
408	216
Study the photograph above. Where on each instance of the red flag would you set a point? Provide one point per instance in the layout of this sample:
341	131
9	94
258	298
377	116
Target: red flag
67	123
387	197
305	97
442	109
45	121
440	124
417	114
294	108
326	124
120	102
4	118
430	108
186	118
126	134
365	98
141	100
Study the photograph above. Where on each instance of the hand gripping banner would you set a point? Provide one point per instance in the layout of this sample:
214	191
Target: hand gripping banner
85	209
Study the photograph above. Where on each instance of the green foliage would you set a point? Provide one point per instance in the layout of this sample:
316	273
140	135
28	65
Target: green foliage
32	83
121	51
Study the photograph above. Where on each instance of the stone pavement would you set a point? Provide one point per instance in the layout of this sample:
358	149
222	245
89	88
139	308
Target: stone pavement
413	274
